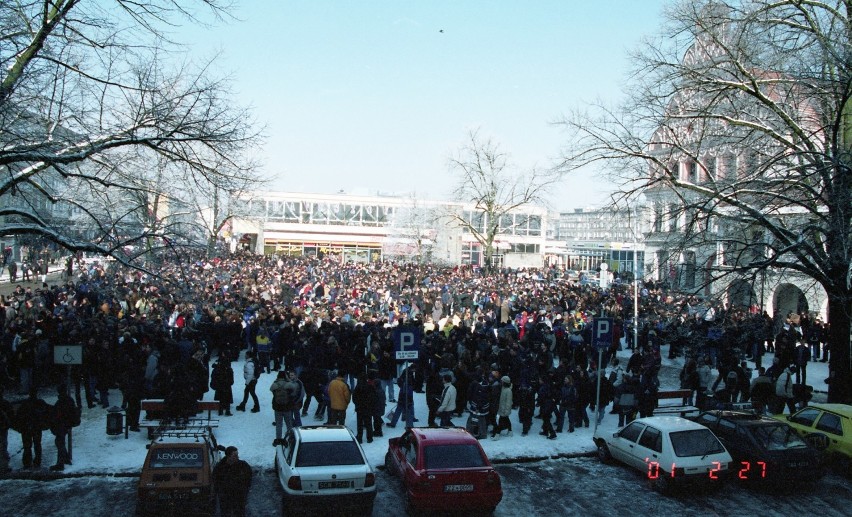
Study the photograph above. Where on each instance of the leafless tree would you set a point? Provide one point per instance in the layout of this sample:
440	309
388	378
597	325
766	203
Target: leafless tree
417	224
486	179
96	105
738	116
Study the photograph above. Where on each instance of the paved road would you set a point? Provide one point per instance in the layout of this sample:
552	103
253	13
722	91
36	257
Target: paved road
576	486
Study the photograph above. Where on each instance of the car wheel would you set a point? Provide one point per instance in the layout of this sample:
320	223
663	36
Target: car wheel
388	462
603	452
286	509
843	465
412	510
818	441
662	484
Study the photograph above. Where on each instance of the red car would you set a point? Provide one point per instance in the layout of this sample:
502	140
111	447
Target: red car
444	469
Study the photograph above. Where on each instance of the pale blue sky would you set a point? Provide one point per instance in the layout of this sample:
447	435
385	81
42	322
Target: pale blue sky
370	96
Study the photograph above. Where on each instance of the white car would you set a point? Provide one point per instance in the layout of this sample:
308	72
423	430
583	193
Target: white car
324	465
670	450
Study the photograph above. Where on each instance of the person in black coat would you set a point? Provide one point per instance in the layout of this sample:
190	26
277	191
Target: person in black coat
32	418
232	480
314	380
585	397
526	407
381	404
462	385
494	388
434	389
547	403
607	392
198	371
478	396
132	383
64	416
221	380
7	419
180	398
628	404
364	398
387	370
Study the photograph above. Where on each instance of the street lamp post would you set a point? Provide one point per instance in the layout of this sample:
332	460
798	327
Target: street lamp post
635	277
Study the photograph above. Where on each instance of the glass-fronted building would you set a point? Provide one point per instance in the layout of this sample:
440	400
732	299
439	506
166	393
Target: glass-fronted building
374	228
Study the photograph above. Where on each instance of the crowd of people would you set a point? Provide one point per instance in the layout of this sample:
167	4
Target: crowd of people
491	342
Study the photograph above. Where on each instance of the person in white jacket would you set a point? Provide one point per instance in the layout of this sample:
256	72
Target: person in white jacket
448	401
250	372
784	389
504	409
705	378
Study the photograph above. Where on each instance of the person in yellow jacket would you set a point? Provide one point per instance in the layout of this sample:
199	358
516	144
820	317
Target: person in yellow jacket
339	397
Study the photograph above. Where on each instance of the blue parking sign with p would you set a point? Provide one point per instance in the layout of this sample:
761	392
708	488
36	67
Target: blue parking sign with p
602	333
406	343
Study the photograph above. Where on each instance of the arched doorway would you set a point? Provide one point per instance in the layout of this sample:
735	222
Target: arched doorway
741	294
788	298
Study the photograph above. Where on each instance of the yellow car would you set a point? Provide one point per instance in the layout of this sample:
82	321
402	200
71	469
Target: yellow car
827	427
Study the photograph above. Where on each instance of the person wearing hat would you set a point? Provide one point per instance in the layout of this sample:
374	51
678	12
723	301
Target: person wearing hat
504	409
232	481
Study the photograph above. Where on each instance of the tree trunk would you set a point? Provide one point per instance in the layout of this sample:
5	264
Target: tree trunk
840	385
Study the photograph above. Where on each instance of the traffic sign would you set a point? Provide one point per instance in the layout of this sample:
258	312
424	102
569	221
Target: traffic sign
406	343
67	355
602	333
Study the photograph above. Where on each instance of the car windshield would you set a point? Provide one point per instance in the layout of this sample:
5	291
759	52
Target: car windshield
177	457
313	454
698	442
453	456
777	437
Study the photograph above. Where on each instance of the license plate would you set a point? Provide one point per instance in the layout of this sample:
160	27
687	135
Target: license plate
335	484
173	496
458	488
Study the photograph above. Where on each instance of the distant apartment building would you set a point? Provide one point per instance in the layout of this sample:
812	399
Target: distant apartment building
590	237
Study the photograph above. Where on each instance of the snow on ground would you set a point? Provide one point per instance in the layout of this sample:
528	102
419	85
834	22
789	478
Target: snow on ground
252	433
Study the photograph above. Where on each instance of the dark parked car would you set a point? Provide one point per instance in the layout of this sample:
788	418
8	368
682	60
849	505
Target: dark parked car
764	449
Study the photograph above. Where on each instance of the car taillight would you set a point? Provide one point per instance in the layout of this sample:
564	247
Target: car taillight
294	483
370	480
492	478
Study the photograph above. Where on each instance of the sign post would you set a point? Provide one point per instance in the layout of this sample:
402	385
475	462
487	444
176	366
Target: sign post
406	347
406	343
601	340
69	355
